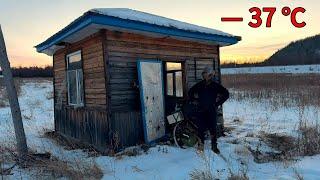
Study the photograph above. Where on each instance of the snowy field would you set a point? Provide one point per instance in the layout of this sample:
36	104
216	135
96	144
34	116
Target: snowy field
245	118
298	69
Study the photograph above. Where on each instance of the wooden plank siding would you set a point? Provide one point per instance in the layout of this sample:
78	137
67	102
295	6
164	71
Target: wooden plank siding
112	103
124	49
93	71
89	124
126	128
84	124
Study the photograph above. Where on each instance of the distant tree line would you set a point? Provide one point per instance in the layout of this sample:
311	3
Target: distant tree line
32	71
301	52
236	65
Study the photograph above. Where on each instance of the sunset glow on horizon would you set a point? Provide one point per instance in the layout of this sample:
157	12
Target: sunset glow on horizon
28	23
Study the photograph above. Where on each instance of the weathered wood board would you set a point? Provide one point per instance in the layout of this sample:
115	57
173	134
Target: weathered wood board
110	86
152	99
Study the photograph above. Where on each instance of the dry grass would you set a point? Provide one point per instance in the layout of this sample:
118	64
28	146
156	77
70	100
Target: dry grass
278	89
70	144
242	173
282	143
306	144
308	141
206	172
45	166
3	94
200	174
281	90
55	168
238	177
130	151
298	175
3	103
18	83
242	151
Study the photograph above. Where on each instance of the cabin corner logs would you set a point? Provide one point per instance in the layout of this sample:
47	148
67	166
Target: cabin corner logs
111	114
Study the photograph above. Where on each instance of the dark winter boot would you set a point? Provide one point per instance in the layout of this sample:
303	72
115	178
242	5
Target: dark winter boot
215	149
200	147
214	145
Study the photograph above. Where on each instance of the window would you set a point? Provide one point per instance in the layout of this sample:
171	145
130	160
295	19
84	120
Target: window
75	79
174	79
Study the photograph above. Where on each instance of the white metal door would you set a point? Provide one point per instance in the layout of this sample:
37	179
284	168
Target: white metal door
152	99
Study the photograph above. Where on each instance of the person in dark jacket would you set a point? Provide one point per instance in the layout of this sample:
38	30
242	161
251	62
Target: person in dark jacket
208	94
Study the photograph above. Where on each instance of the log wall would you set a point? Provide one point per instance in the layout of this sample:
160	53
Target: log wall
123	51
84	124
90	123
112	102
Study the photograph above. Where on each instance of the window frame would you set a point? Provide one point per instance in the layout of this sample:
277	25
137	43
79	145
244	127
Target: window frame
174	83
79	86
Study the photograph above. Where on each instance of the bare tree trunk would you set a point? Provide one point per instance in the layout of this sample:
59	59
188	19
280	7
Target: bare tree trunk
13	99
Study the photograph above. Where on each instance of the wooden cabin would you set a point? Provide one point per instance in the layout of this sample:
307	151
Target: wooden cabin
119	72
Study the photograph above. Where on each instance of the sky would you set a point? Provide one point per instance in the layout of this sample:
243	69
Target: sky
26	23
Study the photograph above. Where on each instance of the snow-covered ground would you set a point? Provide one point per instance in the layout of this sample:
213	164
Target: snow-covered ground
255	117
169	162
273	69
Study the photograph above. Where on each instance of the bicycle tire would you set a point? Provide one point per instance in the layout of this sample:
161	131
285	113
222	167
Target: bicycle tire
186	137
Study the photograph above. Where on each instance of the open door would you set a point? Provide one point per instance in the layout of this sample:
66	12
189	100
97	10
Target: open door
152	99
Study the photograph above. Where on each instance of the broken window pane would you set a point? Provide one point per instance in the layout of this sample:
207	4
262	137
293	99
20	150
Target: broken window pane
72	86
170	84
75	78
179	86
80	86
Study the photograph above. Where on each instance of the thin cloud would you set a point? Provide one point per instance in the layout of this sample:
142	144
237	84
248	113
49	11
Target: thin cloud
272	46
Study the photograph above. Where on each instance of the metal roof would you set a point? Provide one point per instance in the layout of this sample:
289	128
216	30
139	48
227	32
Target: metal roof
132	21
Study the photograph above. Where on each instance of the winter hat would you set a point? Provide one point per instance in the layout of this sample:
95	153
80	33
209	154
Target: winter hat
208	70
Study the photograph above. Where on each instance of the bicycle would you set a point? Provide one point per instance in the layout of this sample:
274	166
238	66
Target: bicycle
184	130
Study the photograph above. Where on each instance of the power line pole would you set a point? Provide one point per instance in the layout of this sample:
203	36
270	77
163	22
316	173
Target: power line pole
13	100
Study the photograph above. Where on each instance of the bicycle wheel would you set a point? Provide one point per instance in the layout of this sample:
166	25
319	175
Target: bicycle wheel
185	135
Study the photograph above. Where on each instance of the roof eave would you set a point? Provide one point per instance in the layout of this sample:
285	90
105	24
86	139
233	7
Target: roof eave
95	18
